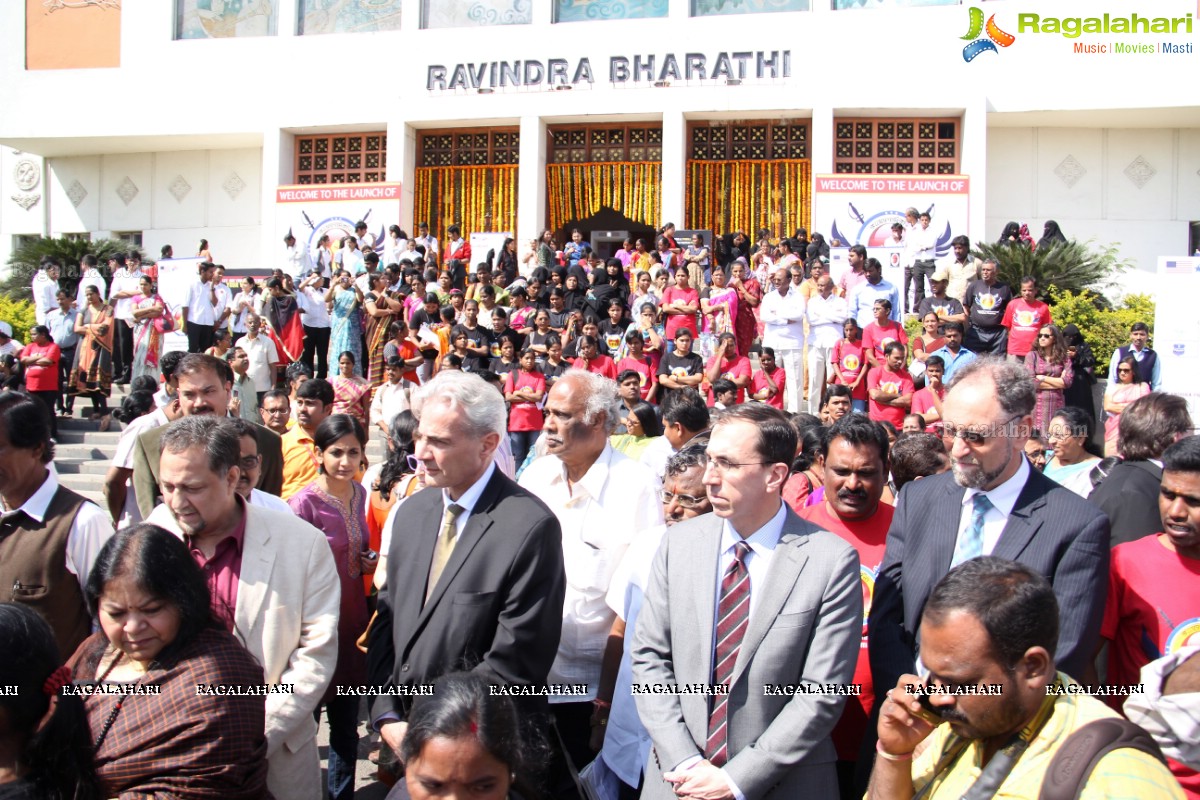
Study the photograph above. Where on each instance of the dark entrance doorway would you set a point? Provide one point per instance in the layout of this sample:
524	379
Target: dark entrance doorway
607	226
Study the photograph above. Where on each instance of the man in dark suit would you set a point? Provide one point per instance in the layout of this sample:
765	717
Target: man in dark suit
1129	495
787	617
205	384
475	575
993	503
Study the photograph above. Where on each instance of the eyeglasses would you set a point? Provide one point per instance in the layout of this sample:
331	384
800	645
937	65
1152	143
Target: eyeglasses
975	438
413	462
275	412
1125	370
249	462
685	500
1045	336
723	465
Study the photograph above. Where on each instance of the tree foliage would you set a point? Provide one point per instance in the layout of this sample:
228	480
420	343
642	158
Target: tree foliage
1104	328
1068	267
19	314
25	260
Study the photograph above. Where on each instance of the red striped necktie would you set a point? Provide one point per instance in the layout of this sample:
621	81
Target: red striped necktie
733	617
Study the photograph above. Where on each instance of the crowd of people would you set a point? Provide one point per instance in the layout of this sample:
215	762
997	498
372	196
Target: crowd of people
715	522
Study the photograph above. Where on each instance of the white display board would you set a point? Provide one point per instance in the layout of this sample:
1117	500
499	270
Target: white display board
481	243
1177	328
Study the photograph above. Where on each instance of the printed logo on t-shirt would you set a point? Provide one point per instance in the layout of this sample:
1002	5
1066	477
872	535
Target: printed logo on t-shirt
891	387
613	340
867	576
1185	634
884	342
495	349
987	301
1026	318
680	372
850	362
642	378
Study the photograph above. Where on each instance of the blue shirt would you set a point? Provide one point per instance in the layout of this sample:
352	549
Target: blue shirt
62	327
862	301
952	361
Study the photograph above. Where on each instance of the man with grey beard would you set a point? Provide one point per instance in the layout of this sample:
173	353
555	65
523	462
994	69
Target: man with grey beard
992	503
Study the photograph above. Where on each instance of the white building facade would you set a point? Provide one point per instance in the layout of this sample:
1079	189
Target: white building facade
189	138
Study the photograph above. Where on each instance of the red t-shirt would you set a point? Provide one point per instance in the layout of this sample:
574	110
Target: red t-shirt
524	416
739	367
1153	606
601	365
676	321
758	382
851	361
42	379
922	401
879	337
869	537
1023	321
894	383
644	368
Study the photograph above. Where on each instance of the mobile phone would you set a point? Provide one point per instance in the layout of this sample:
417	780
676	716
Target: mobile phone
371	555
928	712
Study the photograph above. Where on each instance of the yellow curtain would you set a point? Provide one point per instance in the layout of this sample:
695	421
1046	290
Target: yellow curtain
479	199
726	196
577	191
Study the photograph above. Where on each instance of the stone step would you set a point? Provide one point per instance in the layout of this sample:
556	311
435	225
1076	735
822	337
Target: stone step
86	466
92	437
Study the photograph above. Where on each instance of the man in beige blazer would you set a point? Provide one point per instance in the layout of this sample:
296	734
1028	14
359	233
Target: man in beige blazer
273	584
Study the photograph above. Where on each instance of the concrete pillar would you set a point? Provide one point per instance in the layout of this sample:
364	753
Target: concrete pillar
674	169
531	180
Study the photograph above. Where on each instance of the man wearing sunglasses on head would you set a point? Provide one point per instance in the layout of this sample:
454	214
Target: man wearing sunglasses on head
992	503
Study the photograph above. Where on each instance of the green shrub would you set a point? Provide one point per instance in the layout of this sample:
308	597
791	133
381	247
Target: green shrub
1071	266
19	314
1105	329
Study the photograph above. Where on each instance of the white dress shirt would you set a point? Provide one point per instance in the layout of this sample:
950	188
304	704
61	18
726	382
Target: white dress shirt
762	546
262	354
45	291
296	261
826	316
90	530
269	501
389	400
430	243
91	277
312	300
922	243
1003	498
782	316
125	280
201	309
600	515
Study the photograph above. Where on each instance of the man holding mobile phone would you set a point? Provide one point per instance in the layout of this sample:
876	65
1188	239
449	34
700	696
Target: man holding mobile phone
988	637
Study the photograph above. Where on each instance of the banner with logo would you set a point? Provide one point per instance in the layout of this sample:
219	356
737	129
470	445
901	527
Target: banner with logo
312	211
860	209
1177	329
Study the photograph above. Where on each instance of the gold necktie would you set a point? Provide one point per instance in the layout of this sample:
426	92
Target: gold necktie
444	546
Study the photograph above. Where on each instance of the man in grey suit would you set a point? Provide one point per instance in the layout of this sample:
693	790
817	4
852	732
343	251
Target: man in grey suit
994	504
475	575
756	599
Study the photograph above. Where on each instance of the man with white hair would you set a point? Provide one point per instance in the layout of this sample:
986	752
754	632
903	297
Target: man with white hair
603	500
474	564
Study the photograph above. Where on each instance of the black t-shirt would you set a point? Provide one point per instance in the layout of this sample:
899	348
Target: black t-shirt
500	368
553	372
676	365
494	340
945	306
985	304
613	335
476	337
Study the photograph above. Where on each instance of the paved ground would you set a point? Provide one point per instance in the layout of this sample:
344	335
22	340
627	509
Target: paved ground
365	785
